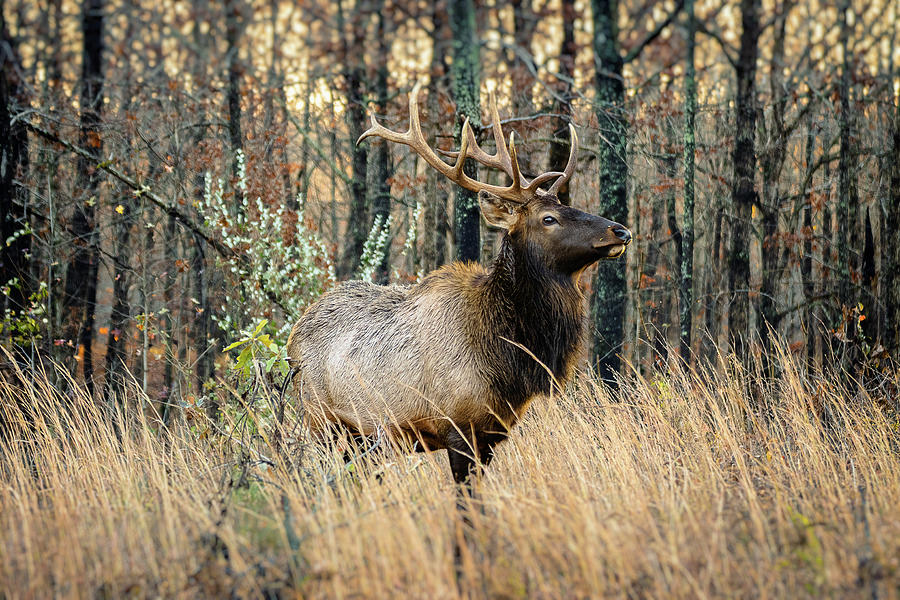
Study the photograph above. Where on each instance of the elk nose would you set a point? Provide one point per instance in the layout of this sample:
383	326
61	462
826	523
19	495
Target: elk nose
622	233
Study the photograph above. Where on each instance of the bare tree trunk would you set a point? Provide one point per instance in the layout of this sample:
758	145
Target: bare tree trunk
608	301
170	338
677	238
890	252
122	217
335	160
15	247
354	77
121	310
525	21
79	302
686	295
205	350
771	160
743	191
829	256
847	210
434	218
715	311
869	291
559	148
806	266
142	369
233	93
47	170
200	332
379	171
466	74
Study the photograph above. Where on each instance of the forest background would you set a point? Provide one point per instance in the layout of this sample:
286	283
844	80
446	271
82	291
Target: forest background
176	172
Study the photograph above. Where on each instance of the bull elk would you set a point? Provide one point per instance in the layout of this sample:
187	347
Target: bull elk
454	361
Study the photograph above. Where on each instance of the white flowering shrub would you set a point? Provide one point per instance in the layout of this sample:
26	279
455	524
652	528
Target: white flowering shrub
376	246
412	236
378	243
270	265
412	232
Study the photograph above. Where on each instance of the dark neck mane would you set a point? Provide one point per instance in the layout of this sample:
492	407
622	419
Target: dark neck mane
538	308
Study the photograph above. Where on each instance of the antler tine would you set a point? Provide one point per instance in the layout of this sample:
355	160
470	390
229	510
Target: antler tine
379	130
375	128
415	127
476	152
570	165
513	162
463	147
499	160
415	139
502	153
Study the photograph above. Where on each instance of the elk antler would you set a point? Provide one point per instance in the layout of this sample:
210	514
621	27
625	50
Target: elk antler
519	191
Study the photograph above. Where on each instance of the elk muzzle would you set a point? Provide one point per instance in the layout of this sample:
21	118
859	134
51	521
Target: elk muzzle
613	242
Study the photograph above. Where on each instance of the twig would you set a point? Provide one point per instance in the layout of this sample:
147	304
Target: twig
726	47
169	208
315	146
143	190
648	39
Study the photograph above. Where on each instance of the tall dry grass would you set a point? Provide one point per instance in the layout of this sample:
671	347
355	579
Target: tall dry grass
686	485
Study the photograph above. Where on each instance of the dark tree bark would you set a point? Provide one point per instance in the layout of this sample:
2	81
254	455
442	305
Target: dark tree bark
806	265
170	386
686	295
655	299
53	58
847	209
434	218
671	163
867	272
466	75
200	331
559	148
829	257
121	309
743	191
353	43
145	294
122	221
712	290
14	261
771	160
608	301
79	302
201	326
890	252
525	22
233	93
379	170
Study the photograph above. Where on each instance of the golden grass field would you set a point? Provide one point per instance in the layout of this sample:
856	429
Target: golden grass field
685	486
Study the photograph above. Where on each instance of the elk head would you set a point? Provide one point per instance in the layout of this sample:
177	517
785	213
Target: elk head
563	238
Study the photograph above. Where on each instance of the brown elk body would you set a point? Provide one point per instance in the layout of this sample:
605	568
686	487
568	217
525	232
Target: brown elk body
454	361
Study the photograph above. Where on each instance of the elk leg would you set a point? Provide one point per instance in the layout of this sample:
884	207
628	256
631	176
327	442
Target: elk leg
461	453
461	450
467	458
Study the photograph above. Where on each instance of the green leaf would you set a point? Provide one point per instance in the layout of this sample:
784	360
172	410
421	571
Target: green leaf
244	358
259	327
234	345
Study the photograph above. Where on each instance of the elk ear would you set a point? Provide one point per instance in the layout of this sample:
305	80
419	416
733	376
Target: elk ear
497	211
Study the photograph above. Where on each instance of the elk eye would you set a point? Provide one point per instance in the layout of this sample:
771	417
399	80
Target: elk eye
548	220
